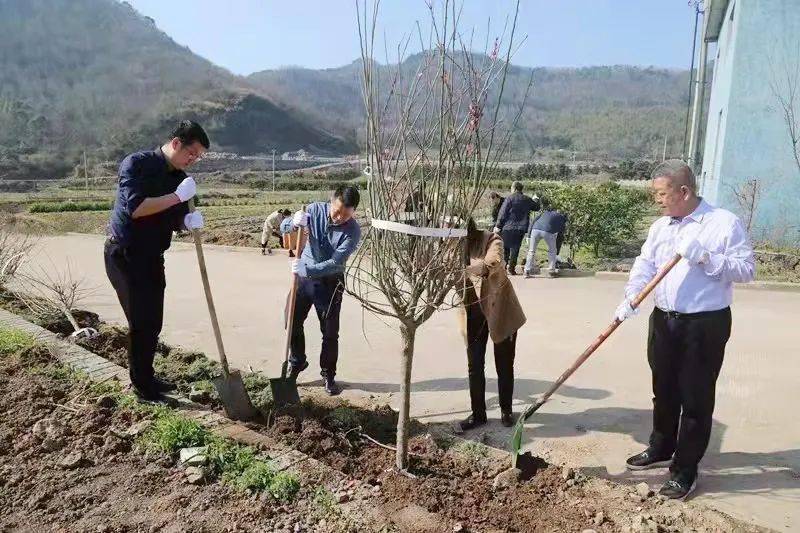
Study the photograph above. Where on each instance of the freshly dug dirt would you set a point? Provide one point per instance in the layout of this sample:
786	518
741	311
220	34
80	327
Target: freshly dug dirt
79	474
453	486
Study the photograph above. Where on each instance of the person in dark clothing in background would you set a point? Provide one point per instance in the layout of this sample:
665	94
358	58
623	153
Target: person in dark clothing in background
547	227
151	203
512	223
497	203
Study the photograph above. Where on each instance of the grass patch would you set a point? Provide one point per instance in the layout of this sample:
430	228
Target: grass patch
64	207
240	467
324	501
474	451
170	432
345	418
14	341
257	386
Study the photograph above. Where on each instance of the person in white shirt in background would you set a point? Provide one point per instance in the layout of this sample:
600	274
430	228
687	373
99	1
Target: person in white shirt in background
272	226
691	322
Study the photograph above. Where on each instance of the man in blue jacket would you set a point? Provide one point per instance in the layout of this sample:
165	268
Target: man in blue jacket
333	235
546	227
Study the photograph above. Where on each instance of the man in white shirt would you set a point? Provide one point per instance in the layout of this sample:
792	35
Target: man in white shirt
691	322
272	226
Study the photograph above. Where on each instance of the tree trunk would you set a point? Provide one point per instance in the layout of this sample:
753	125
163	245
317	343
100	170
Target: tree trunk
408	333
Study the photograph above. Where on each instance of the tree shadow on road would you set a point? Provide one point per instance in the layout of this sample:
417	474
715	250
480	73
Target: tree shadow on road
720	472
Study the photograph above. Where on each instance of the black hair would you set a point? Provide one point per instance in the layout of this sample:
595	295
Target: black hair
545	201
473	241
286	212
493	195
348	194
189	132
517	186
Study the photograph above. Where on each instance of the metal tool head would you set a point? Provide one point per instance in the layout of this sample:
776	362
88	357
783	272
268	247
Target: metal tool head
234	397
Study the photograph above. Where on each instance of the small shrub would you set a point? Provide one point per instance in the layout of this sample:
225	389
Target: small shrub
284	486
258	476
324	500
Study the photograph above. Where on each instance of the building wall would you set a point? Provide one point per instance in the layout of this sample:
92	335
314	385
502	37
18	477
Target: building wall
746	135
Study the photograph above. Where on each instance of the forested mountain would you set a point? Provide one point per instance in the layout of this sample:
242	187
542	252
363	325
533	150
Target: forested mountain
96	74
620	111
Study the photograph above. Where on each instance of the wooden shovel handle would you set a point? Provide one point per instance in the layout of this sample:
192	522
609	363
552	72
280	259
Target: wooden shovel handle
609	330
201	261
293	296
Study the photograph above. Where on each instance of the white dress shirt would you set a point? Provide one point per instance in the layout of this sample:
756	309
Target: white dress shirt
702	287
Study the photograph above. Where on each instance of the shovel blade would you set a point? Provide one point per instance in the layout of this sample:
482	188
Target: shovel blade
516	441
284	391
234	397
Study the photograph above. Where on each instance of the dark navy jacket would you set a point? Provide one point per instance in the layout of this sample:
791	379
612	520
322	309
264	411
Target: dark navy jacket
146	175
515	212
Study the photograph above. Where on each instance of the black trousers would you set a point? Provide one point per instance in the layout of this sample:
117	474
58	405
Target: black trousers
325	294
512	241
139	282
477	339
266	240
685	353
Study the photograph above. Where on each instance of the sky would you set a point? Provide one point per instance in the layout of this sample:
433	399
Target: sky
247	36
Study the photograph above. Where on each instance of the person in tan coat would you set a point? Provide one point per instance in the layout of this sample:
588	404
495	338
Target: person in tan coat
490	310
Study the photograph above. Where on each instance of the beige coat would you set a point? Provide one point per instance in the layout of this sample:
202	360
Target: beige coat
486	276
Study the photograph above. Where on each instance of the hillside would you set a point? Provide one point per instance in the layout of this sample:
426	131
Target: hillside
96	74
617	111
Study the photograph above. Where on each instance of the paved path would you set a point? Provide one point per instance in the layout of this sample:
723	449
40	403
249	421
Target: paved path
752	468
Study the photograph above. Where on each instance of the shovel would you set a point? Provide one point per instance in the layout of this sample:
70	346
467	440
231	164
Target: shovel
284	389
229	385
516	437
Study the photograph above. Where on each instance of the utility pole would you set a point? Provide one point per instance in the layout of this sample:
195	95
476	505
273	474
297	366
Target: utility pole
699	98
85	175
273	170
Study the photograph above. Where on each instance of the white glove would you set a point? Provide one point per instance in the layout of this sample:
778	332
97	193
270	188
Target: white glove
496	230
193	221
299	268
625	311
186	189
690	249
535	197
300	219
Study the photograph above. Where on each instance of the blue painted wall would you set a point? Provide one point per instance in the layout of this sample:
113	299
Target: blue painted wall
746	135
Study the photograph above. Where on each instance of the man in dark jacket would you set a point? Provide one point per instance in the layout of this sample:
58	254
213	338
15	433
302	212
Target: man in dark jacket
151	203
512	223
547	227
497	203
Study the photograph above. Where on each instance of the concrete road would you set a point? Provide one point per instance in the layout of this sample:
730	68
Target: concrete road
751	470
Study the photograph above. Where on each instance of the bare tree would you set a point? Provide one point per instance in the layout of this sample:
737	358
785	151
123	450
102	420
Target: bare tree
52	293
785	85
747	195
14	249
434	136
